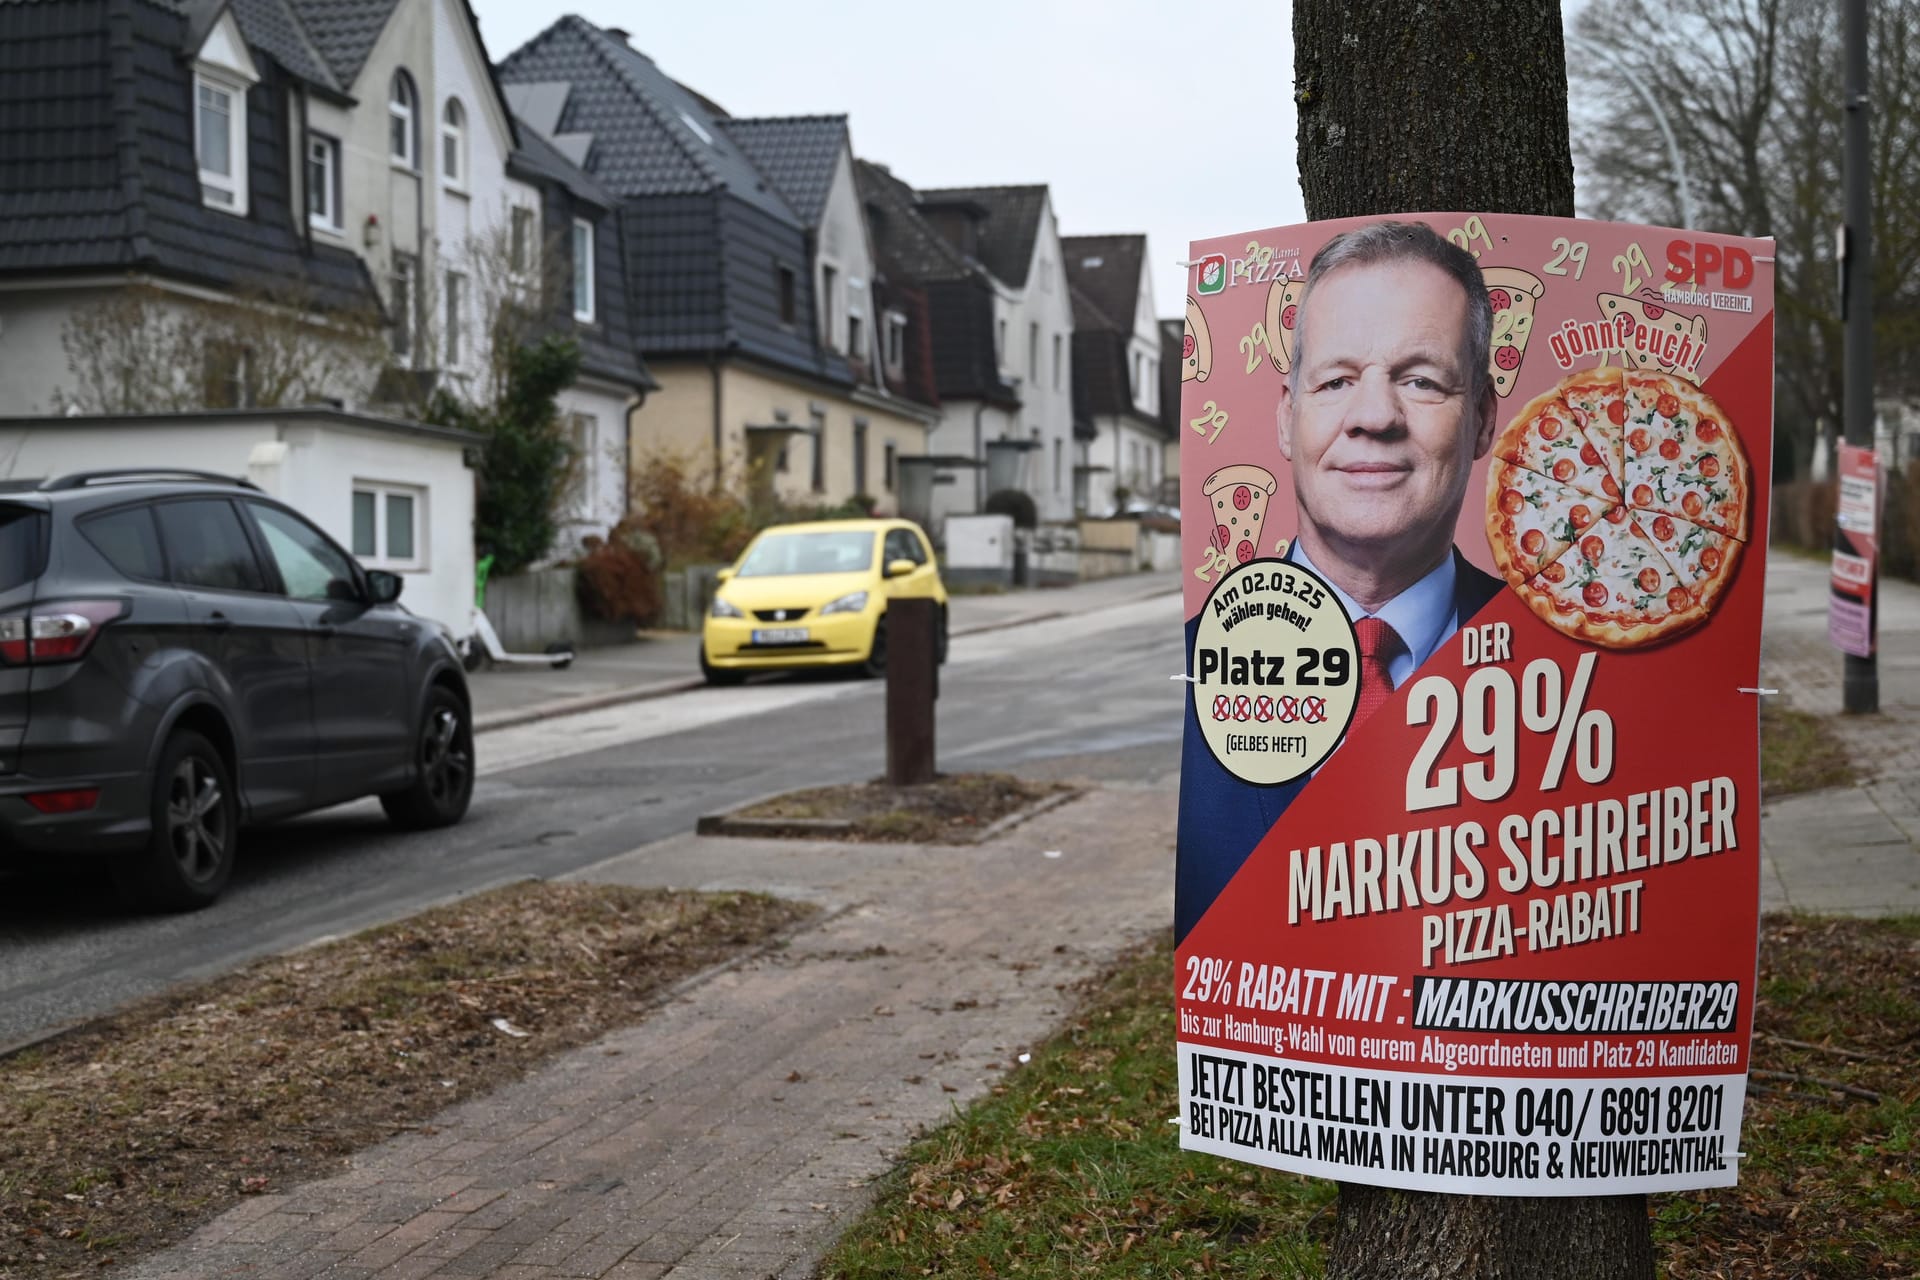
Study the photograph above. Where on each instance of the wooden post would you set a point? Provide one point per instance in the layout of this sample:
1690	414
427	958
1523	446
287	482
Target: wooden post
913	682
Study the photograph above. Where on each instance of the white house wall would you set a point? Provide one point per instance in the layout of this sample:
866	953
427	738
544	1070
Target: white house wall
601	501
323	460
1046	396
842	239
33	361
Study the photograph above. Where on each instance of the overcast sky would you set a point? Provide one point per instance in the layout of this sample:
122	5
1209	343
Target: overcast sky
1169	118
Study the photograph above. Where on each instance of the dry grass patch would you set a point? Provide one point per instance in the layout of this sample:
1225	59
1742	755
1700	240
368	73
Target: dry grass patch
952	809
124	1137
1800	752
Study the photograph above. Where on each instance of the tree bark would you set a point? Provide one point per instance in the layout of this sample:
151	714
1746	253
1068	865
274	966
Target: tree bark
1443	105
1450	106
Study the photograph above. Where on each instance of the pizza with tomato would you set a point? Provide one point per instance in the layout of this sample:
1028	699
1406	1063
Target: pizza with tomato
1239	496
1618	504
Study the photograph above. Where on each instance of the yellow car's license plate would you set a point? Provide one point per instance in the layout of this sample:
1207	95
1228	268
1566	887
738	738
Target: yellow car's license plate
781	635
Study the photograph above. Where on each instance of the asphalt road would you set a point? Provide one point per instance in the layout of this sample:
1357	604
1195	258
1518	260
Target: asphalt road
1088	696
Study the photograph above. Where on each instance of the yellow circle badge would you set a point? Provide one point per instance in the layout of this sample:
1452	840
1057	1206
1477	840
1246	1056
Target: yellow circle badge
1276	671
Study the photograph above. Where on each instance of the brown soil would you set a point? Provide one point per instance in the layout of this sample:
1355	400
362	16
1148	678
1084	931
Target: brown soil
952	809
125	1136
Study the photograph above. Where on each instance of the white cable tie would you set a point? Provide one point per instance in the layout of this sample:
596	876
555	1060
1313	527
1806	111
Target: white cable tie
1186	264
1183	676
1765	693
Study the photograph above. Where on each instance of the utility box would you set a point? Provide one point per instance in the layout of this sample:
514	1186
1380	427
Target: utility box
979	551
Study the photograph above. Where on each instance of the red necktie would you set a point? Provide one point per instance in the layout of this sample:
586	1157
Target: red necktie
1378	642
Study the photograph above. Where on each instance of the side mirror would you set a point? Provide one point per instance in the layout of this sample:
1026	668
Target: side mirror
900	568
384	587
723	576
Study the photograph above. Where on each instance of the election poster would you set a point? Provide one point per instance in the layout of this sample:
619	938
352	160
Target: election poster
1856	546
1474	529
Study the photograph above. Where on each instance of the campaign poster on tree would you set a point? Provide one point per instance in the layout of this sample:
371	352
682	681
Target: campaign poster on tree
1475	512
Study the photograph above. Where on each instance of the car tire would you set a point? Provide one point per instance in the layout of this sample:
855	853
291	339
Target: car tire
876	664
719	677
443	753
195	818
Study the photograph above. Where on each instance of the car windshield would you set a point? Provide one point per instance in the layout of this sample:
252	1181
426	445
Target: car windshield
779	554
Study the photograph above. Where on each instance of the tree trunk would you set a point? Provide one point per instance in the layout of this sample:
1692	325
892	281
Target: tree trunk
1452	106
1445	105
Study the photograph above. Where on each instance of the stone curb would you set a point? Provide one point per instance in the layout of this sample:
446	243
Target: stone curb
731	824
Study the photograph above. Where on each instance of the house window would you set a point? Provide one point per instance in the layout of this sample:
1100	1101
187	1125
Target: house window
403	122
453	143
784	281
386	525
859	455
323	181
1000	343
829	296
403	303
220	139
456	301
582	270
856	338
224	380
889	464
582	428
819	452
896	340
1033	354
520	243
1056	362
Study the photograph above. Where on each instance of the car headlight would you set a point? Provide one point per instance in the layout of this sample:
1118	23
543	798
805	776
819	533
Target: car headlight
722	609
852	602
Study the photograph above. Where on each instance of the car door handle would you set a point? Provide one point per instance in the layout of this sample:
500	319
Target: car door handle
217	621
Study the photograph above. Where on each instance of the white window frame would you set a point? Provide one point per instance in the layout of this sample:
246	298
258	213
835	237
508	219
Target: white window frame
896	347
583	271
523	240
403	105
232	185
381	491
326	148
453	143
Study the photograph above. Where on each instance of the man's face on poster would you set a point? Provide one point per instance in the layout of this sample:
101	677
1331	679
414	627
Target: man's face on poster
1387	421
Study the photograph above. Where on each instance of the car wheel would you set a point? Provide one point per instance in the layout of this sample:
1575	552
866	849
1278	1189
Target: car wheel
443	753
876	664
196	825
719	677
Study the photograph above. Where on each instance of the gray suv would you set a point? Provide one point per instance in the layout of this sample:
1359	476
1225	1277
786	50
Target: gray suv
182	656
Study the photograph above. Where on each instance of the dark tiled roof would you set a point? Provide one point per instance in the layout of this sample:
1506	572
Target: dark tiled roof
651	135
344	31
272	26
1011	226
98	173
544	161
1107	270
798	154
905	243
1100	383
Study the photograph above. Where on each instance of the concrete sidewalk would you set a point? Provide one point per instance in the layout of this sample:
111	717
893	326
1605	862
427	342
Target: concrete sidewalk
663	662
1852	850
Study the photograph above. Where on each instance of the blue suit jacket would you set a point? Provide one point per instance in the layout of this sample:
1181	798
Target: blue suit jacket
1223	818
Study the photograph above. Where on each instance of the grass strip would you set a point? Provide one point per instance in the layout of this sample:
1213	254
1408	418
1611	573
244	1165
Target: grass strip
1800	752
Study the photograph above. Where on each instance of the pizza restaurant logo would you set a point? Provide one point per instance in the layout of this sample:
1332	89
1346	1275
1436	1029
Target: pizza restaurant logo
1213	273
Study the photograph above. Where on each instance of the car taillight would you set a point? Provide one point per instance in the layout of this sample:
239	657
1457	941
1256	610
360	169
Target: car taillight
56	632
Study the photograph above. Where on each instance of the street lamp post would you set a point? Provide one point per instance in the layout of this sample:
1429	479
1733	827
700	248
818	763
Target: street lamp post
1860	677
1682	188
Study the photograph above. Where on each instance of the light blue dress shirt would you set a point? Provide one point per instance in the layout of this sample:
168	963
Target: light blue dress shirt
1423	615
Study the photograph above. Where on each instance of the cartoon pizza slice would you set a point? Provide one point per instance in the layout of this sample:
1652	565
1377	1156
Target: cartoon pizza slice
1196	346
1513	293
1283	310
1237	496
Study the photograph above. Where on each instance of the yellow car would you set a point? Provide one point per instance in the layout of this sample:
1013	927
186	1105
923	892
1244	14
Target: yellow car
815	595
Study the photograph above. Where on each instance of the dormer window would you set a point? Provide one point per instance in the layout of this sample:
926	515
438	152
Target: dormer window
403	120
453	144
223	71
220	140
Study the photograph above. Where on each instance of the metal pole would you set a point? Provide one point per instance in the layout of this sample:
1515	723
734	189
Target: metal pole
1682	187
1860	680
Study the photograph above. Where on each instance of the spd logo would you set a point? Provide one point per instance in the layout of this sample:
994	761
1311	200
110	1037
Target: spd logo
1213	273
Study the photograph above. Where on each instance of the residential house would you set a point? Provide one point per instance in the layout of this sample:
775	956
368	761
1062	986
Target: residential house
750	270
1173	337
344	170
1117	360
1029	445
